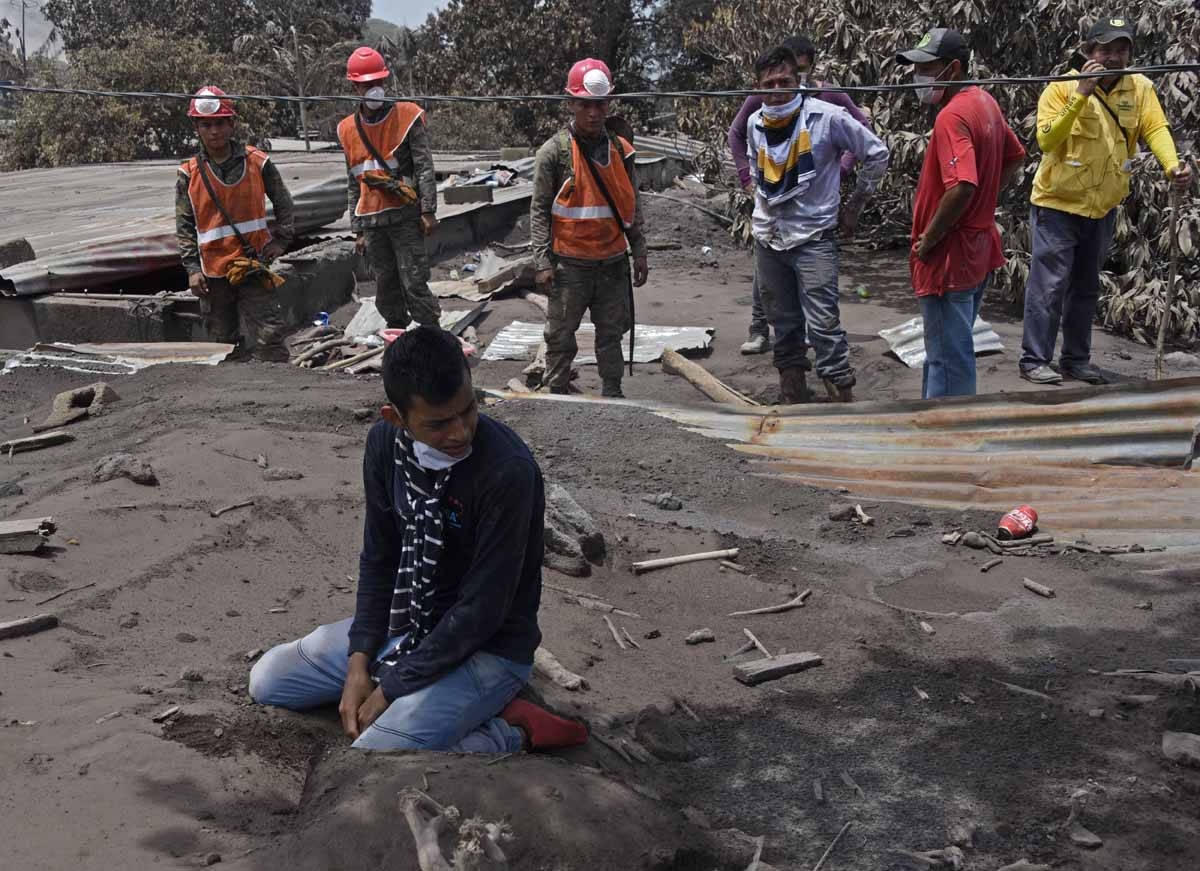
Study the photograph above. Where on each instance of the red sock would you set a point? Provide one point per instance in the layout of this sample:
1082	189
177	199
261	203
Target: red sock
543	728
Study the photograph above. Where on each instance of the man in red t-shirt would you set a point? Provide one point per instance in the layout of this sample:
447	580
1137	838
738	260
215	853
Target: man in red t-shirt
972	154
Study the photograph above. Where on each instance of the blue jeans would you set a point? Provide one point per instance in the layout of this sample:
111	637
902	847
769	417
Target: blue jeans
799	287
950	341
457	713
1067	252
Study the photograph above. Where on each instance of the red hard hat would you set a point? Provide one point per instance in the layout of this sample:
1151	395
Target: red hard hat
366	65
210	102
589	78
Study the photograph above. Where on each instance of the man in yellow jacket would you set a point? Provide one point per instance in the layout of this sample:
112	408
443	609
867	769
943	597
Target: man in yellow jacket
1088	132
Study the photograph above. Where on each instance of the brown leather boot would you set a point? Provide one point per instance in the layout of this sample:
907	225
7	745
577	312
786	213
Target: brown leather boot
839	394
792	388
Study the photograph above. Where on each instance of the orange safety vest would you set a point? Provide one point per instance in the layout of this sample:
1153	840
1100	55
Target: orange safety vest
244	200
387	134
582	222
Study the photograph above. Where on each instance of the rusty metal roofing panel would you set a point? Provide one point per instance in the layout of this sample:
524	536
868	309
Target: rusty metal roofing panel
1107	463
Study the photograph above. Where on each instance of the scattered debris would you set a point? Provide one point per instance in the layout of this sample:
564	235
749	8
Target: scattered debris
952	538
863	517
921	694
1019	523
990	564
650	565
1012	687
1032	541
1096	713
72	405
762	670
850	782
616	635
573	539
591	604
1035	587
219	511
842	512
254	654
1144	606
733	567
62	593
36	443
762	647
700	636
789	605
830	848
629	639
27	625
949	858
1076	832
108	717
192	675
613	745
1182	747
745	648
125	466
927	629
25	536
687	709
818	790
547	664
674	363
963	835
282	474
163	716
519	341
478	841
965	699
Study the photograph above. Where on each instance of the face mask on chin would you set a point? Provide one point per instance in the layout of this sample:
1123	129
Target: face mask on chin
373	98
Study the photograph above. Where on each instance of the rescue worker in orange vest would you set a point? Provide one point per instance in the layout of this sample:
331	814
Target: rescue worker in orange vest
392	193
579	244
225	255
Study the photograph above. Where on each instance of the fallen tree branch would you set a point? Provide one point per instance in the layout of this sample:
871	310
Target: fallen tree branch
616	635
825	855
789	605
674	363
762	647
321	348
640	568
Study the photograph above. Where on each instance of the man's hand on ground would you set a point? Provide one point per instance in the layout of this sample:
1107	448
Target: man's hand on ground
272	251
360	244
1182	176
542	280
429	224
197	284
355	691
370	710
641	271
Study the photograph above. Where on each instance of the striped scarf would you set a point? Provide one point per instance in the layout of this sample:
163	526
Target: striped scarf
785	166
421	510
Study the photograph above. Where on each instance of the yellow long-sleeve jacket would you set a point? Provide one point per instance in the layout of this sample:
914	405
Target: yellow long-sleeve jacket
1087	144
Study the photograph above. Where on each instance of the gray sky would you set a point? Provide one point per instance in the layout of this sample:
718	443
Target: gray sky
410	12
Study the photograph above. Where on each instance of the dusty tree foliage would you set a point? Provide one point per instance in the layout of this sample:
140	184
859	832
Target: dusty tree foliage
857	41
62	130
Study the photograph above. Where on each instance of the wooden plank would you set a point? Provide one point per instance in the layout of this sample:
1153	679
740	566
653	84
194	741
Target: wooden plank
25	536
37	442
781	665
512	270
27	625
1040	589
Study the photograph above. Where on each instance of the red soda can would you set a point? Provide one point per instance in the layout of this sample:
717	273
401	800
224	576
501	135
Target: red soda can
1018	523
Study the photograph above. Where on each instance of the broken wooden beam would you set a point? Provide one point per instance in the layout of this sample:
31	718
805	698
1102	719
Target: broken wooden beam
640	568
1035	587
27	625
320	348
36	443
356	359
674	363
789	605
762	670
25	536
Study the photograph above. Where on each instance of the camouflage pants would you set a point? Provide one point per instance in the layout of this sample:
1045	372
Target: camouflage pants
249	316
602	288
397	257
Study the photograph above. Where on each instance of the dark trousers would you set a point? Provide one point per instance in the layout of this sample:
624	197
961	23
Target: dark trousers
1063	286
397	256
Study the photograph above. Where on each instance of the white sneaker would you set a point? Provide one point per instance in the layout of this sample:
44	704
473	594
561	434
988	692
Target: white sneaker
755	345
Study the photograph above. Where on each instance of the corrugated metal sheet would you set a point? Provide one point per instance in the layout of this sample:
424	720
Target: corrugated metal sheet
520	340
1107	463
119	358
907	340
105	261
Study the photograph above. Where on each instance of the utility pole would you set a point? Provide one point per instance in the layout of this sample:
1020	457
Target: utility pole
300	88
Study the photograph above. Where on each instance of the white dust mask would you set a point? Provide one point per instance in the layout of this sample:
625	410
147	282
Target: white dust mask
373	98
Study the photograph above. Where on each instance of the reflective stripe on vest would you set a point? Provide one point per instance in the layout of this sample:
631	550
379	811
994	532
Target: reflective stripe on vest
582	224
244	200
387	134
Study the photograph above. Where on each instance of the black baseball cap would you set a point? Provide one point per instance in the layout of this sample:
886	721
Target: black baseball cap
941	43
1111	28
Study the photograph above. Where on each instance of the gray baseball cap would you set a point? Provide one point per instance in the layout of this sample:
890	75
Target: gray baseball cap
1111	28
941	43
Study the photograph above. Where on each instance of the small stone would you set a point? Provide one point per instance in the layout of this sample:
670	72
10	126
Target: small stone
83	769
218	732
282	474
1182	747
652	634
668	502
124	466
130	622
232	613
841	512
212	859
1144	606
191	675
186	638
700	636
1081	837
254	654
